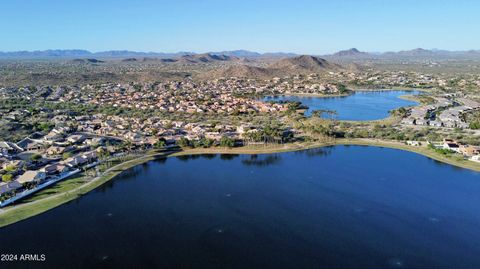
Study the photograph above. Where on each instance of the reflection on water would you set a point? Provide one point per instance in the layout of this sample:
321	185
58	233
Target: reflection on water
161	159
227	157
188	157
209	156
262	160
323	151
336	207
127	175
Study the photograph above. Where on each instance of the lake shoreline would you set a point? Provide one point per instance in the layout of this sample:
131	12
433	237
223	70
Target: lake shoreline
351	92
355	106
13	214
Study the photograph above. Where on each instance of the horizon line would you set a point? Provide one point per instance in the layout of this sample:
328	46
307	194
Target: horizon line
232	50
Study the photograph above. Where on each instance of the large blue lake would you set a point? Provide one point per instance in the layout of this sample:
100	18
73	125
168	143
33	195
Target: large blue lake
360	106
337	207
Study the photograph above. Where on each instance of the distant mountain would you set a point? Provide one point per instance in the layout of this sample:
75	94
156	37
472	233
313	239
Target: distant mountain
206	58
129	60
120	53
353	52
252	54
241	71
46	54
86	54
278	55
133	54
238	53
473	51
420	53
304	63
234	54
84	61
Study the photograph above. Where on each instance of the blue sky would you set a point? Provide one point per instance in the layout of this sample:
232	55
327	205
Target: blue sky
300	26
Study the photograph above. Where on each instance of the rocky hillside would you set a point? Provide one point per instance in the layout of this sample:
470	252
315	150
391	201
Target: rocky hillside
304	64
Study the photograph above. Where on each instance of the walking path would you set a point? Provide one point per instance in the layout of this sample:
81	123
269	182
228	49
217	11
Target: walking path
71	194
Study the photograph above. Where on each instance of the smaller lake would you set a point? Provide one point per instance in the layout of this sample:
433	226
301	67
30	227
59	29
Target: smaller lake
360	106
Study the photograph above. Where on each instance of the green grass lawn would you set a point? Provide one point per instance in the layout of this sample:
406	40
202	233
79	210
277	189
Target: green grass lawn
60	187
66	190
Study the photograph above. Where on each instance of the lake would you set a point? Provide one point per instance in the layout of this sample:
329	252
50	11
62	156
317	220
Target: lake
360	106
335	207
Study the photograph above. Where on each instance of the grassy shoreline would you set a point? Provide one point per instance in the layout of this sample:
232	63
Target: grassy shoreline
377	88
16	213
13	214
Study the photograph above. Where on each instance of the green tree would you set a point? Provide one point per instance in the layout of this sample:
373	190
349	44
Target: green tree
10	168
161	143
7	177
294	106
400	112
66	155
342	88
206	142
226	141
184	142
44	126
35	157
475	125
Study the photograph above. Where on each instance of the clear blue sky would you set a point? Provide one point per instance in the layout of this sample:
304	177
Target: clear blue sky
300	26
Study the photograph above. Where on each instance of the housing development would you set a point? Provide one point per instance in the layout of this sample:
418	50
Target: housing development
52	132
253	135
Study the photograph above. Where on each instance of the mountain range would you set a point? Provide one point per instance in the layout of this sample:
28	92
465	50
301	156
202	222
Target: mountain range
303	64
76	53
183	56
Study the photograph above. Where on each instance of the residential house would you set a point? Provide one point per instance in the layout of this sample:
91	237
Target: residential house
31	176
54	150
469	150
75	139
9	187
90	156
475	158
53	136
75	161
28	144
8	148
451	145
56	168
413	143
13	163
